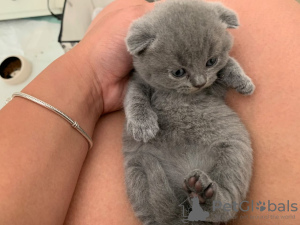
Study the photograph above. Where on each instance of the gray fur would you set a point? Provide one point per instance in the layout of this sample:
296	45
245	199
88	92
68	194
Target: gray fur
176	129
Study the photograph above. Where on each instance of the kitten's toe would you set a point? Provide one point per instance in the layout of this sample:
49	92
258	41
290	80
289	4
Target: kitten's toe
247	88
199	185
209	191
143	130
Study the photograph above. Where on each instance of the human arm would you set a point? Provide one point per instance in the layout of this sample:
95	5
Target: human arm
41	154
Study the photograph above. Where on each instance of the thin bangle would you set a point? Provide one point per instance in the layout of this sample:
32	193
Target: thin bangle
73	123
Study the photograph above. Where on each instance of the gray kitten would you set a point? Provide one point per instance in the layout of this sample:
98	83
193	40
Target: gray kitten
181	139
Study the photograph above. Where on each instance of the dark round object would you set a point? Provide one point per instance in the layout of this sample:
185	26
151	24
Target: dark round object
9	66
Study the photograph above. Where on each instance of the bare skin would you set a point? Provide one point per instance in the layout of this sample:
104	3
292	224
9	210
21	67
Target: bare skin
41	154
39	169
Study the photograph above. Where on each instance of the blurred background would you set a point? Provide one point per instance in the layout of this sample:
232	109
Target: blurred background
39	31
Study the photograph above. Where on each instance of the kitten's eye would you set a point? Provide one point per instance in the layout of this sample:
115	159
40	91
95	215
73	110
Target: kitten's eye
179	73
211	62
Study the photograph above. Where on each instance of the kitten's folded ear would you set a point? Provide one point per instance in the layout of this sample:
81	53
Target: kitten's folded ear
226	15
139	37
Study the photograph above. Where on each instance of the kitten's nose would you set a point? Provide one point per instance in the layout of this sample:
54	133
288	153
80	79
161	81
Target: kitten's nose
198	81
199	85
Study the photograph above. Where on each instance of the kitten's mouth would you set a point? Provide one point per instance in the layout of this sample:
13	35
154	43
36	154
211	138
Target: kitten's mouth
196	89
191	90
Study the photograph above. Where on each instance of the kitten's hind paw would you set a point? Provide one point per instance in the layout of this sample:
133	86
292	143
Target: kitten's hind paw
143	129
200	185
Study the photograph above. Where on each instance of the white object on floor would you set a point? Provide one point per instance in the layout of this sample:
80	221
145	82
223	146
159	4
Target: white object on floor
17	69
35	40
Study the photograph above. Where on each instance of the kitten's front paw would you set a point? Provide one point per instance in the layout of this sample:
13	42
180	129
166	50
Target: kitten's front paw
246	88
143	129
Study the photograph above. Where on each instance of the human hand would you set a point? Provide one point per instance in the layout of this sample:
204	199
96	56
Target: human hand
102	53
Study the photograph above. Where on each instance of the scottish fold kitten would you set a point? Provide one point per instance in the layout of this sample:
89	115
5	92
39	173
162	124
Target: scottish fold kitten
181	140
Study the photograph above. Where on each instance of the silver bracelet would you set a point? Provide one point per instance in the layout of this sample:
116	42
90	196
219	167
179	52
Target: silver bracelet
61	114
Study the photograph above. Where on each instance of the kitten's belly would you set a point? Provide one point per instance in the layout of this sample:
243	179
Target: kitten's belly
204	120
189	128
